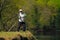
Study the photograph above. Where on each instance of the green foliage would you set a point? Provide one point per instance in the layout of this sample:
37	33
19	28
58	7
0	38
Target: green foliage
39	12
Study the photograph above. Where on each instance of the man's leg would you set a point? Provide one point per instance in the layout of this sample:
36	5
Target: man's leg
19	24
24	26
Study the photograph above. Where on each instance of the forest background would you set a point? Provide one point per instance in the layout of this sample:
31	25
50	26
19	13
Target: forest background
40	14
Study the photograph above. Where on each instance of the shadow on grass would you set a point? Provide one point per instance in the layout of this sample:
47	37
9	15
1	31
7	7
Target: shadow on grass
19	37
2	39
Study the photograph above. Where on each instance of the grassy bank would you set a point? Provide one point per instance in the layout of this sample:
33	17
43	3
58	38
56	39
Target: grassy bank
11	35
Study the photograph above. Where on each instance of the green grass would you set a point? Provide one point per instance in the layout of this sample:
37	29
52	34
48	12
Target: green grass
9	35
27	34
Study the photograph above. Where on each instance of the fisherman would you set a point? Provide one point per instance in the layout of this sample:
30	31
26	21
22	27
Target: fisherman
21	20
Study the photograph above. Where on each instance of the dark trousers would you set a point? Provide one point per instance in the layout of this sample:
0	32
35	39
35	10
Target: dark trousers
23	25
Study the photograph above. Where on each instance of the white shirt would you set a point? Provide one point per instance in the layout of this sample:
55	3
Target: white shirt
21	17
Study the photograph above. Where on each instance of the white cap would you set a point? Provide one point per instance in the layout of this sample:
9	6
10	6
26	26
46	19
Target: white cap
20	9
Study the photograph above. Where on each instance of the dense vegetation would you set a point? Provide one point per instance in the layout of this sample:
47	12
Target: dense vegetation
40	13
